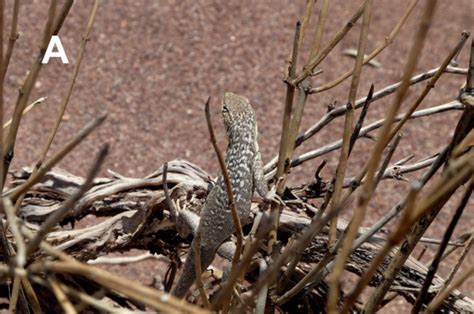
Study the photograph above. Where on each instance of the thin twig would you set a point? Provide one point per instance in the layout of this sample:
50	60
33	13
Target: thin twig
344	156
360	122
26	89
308	11
436	260
373	163
44	168
386	42
72	81
15	229
27	109
198	269
438	300
60	295
230	194
59	214
462	241
467	246
323	14
14	295
340	111
313	63
388	157
12	38
285	144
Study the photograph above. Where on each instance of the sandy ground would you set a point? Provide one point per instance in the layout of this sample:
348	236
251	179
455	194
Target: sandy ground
151	64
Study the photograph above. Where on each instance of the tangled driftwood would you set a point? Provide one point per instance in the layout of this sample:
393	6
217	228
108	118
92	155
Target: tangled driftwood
135	215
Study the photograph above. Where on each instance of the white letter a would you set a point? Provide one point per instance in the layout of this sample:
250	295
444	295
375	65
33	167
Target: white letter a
55	41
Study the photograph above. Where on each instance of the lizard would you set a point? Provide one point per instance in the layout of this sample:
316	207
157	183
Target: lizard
245	169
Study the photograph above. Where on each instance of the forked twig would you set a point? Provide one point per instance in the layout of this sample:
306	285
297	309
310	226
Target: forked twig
386	42
340	111
313	63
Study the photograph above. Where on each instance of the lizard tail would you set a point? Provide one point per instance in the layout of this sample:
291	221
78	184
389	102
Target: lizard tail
188	276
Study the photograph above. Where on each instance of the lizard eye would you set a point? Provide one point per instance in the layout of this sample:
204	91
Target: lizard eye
225	109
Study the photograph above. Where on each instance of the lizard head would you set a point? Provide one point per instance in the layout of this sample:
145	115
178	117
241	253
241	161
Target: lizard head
237	112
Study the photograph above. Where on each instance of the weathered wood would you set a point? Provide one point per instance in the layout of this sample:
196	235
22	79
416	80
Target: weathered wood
133	214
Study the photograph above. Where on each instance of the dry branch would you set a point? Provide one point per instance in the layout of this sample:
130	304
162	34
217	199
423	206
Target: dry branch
137	215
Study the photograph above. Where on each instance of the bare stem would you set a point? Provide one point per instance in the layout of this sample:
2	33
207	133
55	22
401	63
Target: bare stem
386	42
285	144
26	89
436	303
436	260
345	151
32	180
61	296
230	194
313	63
340	111
323	14
72	81
12	38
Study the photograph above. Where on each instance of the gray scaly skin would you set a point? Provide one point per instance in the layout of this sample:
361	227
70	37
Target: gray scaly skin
245	168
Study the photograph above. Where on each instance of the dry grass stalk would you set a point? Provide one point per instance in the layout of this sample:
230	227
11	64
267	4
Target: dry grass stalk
323	14
345	151
436	260
387	41
230	198
369	186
